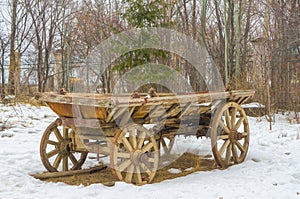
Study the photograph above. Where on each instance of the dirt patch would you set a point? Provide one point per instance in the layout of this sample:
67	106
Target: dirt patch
186	164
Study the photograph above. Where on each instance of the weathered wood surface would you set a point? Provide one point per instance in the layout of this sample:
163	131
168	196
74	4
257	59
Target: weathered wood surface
109	108
109	100
43	176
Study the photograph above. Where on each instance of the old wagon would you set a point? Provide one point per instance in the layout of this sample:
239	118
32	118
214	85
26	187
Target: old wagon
114	126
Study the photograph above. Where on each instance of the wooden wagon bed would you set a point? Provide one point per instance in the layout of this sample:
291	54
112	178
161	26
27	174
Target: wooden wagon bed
113	125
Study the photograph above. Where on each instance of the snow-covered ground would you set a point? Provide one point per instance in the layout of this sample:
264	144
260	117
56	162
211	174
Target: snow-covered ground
271	169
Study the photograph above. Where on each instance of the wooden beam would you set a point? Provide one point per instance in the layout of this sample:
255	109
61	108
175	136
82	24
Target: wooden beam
47	175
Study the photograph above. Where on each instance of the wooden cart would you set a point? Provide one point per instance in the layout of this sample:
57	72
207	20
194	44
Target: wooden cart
114	126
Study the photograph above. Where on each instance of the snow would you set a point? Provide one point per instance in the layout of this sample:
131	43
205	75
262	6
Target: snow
253	105
271	169
174	171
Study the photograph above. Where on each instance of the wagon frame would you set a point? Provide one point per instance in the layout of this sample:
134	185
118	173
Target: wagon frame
114	125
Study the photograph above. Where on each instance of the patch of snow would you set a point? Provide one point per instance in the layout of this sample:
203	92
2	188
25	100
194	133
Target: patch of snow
174	171
189	169
253	105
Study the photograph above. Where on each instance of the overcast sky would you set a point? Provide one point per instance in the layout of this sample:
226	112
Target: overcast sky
4	15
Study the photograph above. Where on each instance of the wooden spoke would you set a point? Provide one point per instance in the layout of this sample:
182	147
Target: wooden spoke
133	140
55	154
227	118
223	137
134	153
138	176
123	132
57	161
65	163
228	154
129	173
73	159
147	147
52	143
245	134
124	165
52	153
234	153
146	169
224	147
240	147
231	146
57	134
239	123
233	116
141	139
224	127
124	155
127	144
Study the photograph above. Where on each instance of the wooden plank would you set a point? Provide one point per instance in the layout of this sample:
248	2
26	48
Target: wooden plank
62	104
95	137
185	110
76	111
126	118
122	101
96	133
153	110
47	175
111	114
98	148
192	130
120	113
78	122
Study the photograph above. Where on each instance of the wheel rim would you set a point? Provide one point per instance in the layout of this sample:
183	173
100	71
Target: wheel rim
55	151
230	135
135	155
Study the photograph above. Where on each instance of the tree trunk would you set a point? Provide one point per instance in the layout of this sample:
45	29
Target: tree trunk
186	17
221	60
245	50
17	72
203	24
226	38
39	69
12	58
2	70
194	21
237	22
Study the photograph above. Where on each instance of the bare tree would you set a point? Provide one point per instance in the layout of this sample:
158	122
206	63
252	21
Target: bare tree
12	62
237	22
45	17
4	43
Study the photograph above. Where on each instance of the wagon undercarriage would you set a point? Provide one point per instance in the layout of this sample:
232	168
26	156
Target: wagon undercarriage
137	134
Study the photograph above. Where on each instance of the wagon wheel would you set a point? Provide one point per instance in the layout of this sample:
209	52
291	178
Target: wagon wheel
135	155
230	135
55	150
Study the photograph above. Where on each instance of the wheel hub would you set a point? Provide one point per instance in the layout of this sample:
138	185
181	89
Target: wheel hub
235	135
64	147
138	157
